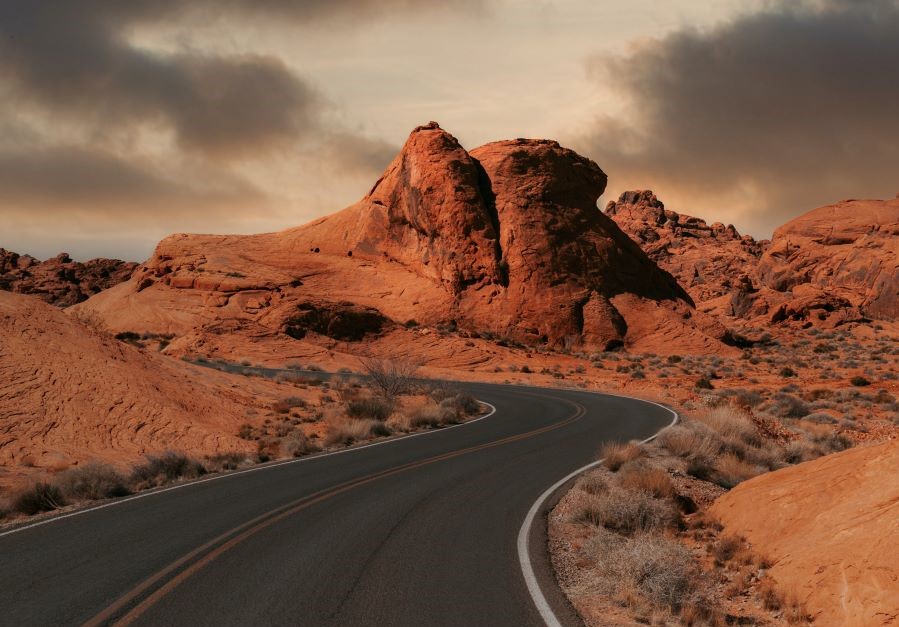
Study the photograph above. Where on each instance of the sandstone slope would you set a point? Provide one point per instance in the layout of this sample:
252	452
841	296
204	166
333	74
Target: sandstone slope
60	281
503	241
830	526
71	393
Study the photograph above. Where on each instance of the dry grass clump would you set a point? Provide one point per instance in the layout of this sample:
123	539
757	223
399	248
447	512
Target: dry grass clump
226	461
654	481
370	408
93	481
660	569
615	454
593	483
166	468
626	511
345	431
296	444
730	422
690	442
730	470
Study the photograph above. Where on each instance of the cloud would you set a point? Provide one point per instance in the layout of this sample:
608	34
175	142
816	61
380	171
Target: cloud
760	118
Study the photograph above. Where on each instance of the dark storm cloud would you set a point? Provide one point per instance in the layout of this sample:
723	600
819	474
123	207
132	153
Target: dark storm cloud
73	62
795	104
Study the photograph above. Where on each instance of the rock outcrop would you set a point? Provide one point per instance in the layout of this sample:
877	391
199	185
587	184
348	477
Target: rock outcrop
845	256
829	526
503	240
60	281
710	261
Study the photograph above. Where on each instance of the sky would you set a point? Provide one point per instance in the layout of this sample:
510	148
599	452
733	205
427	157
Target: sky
123	122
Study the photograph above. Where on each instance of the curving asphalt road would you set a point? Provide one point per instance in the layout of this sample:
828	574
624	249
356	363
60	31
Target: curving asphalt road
417	531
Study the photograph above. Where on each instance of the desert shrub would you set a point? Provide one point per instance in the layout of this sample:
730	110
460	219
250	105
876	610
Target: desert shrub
661	569
161	469
285	405
786	371
730	422
296	444
726	548
821	418
428	416
859	381
93	481
593	483
641	478
390	377
343	431
730	470
226	461
789	406
626	511
370	408
703	383
41	497
690	442
615	454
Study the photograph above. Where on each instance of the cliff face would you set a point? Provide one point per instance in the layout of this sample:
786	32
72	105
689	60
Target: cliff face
505	239
60	281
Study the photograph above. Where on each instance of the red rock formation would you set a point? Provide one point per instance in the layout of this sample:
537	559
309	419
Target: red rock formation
60	281
506	240
846	256
710	261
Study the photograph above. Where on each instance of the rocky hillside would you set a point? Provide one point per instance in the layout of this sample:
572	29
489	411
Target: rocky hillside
830	266
710	261
505	241
60	281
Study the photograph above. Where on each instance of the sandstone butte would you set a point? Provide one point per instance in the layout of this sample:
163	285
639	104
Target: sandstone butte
504	240
830	266
60	281
72	393
830	527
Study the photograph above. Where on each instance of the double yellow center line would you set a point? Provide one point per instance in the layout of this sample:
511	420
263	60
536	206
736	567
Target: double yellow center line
131	605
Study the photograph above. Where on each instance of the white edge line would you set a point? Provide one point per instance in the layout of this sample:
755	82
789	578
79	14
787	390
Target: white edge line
524	554
235	473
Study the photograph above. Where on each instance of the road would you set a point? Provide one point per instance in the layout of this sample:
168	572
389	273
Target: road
416	532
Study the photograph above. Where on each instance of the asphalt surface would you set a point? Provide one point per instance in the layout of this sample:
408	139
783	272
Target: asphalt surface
413	532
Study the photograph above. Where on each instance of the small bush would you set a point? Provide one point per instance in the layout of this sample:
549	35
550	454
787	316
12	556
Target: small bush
593	483
703	383
226	461
285	405
691	443
41	497
296	444
786	371
644	479
370	409
859	381
626	511
615	454
91	482
662	570
730	470
166	468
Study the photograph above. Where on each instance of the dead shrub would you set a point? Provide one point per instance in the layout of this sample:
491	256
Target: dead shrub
615	454
593	483
661	569
41	497
726	548
392	377
730	422
691	443
92	482
626	511
159	470
221	462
